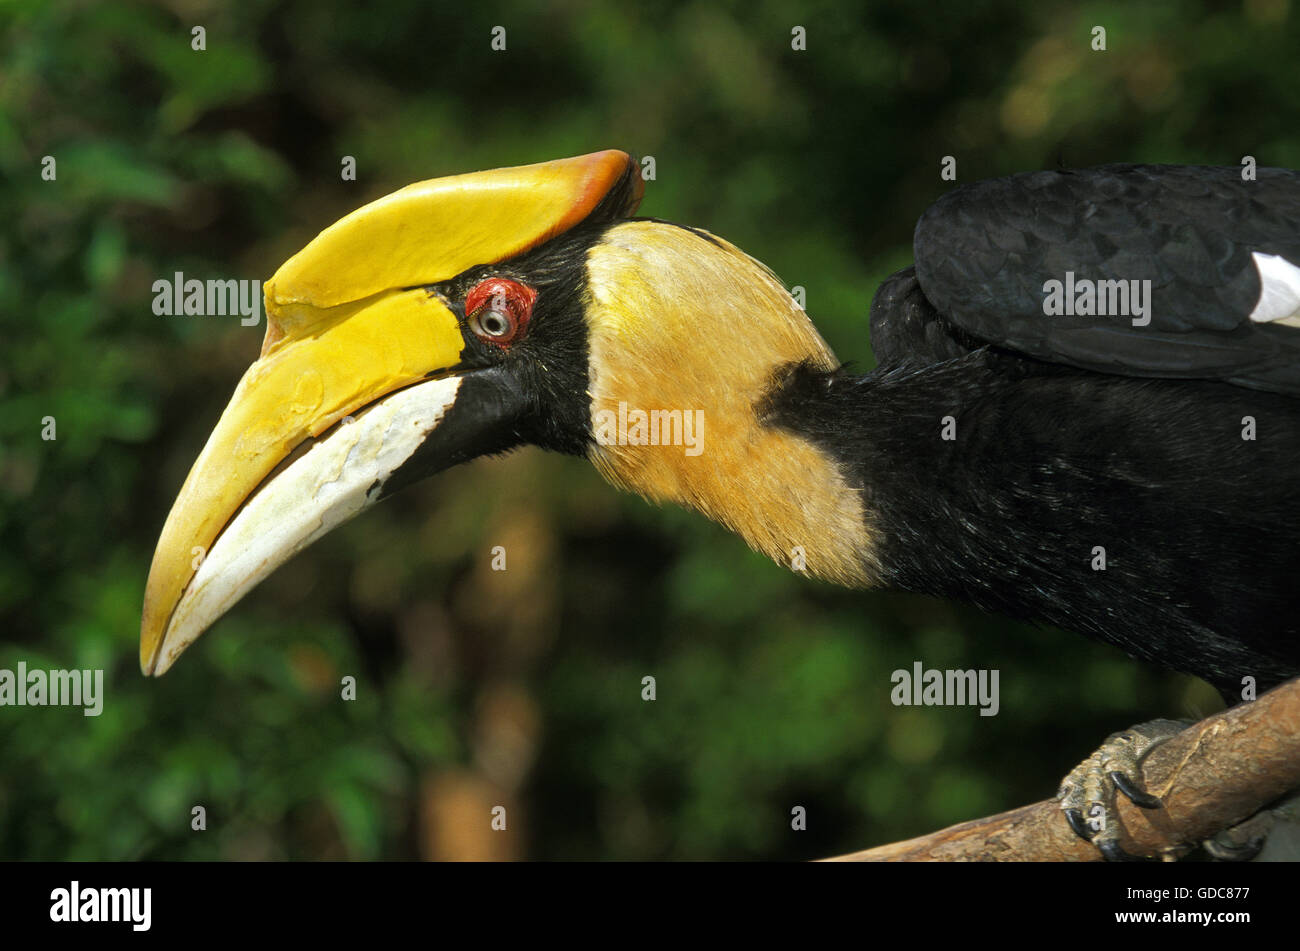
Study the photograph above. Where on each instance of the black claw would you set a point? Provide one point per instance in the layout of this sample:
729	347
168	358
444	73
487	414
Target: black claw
1234	853
1135	795
1113	853
1079	824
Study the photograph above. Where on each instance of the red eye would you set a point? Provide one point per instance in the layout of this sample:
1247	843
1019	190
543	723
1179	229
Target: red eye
498	310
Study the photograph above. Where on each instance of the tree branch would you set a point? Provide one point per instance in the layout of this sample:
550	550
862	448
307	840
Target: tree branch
1210	777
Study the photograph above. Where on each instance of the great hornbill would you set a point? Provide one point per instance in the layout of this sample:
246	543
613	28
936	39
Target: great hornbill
1013	429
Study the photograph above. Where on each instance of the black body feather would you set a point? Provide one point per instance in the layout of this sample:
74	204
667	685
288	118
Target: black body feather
1200	527
1077	433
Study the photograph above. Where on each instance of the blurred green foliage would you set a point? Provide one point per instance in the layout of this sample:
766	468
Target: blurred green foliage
524	687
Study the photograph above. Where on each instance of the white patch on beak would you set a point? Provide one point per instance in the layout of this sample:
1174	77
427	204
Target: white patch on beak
323	488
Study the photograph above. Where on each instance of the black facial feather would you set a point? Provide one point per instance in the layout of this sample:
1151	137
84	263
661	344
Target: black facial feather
549	362
533	392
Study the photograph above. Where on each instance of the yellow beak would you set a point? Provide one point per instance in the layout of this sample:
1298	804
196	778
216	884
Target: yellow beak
351	325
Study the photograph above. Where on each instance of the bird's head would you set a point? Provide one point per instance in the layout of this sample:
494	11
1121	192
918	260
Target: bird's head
469	315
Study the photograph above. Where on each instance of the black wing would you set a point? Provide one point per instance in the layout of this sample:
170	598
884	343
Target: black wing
907	330
984	253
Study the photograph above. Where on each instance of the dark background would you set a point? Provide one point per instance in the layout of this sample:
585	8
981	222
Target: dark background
522	688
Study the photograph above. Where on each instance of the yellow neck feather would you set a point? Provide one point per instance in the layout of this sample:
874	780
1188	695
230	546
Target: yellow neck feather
683	322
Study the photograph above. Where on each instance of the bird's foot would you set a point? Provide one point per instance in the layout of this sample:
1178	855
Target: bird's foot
1087	794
